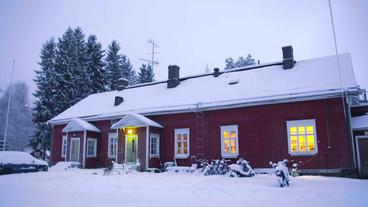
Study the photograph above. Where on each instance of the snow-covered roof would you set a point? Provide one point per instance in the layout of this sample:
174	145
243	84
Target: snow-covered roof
134	119
319	76
77	124
360	122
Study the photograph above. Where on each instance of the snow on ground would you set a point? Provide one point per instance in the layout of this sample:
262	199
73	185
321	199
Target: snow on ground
86	188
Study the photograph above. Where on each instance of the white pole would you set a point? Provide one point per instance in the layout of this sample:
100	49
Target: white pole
8	110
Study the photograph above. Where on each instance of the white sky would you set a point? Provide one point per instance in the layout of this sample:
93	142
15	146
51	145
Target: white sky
191	34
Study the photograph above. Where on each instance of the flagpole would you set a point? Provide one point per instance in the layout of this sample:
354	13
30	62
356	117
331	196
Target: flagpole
8	110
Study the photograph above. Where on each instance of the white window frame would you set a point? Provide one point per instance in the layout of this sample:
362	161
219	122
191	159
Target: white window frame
305	122
229	128
183	155
63	146
157	137
94	140
109	153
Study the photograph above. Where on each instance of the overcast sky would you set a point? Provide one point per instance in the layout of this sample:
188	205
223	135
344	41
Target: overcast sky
191	33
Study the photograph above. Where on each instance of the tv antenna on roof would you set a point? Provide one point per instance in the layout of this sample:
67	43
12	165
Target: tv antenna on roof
152	62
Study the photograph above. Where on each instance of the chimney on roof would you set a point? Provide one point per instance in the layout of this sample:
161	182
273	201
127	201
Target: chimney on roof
123	83
173	76
216	72
118	100
288	57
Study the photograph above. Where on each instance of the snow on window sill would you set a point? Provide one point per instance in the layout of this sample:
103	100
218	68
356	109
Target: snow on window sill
230	155
296	154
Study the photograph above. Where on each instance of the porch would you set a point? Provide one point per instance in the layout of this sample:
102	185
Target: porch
138	141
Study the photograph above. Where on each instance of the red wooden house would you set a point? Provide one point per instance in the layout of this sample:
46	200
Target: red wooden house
287	109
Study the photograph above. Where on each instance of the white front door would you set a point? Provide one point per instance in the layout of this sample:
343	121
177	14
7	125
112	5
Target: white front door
131	148
74	149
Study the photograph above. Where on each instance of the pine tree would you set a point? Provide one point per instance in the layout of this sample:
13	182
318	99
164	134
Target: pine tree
45	103
145	74
114	62
95	67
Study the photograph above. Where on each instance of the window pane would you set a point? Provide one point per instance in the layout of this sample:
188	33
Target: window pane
185	151
310	130
179	151
294	143
302	144
179	137
301	130
185	137
226	134
233	134
233	146
226	146
311	145
292	130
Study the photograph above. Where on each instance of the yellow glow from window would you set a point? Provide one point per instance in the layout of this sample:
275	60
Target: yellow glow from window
292	130
311	145
130	131
233	146
301	130
310	130
302	144
226	146
294	143
233	134
226	134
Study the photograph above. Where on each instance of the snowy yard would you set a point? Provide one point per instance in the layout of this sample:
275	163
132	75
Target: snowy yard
83	188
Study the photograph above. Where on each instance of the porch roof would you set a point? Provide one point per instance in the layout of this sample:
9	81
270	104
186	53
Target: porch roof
135	120
77	124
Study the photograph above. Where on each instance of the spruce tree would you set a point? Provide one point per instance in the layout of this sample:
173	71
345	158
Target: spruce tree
71	69
95	66
114	62
44	106
145	74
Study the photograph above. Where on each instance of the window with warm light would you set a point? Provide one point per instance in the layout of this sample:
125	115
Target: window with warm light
155	145
302	137
181	143
63	147
112	145
229	141
91	147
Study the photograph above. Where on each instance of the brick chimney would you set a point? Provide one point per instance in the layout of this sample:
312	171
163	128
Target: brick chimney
173	80
288	57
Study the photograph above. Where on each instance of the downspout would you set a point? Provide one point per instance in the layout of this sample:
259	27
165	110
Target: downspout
66	147
117	145
52	143
84	148
351	135
147	144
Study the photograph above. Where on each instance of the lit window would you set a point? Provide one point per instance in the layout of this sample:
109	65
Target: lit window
229	141
181	143
112	145
63	147
302	137
155	145
91	147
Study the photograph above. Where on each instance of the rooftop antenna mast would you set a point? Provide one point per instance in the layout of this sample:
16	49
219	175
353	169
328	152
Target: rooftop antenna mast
152	62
